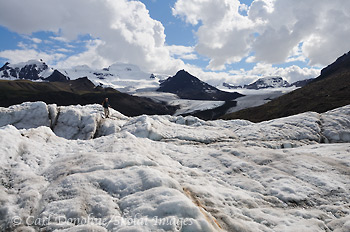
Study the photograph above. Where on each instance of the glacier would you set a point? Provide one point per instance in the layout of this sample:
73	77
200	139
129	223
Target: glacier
66	168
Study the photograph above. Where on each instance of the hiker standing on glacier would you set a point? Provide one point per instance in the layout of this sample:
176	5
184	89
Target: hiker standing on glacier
105	105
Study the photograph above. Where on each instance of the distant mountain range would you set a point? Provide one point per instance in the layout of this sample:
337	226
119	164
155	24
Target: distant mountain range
119	76
129	78
187	86
123	77
328	91
80	91
268	82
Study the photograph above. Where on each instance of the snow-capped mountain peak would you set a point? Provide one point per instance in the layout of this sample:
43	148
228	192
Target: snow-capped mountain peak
261	83
30	70
268	82
38	63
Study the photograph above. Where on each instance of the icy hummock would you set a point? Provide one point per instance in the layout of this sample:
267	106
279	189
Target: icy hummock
66	168
87	122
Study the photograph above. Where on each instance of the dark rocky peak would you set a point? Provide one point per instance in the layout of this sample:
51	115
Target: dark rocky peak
82	83
184	80
187	86
57	76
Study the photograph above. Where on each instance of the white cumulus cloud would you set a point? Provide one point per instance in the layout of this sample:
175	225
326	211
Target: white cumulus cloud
183	52
224	35
271	30
266	32
127	31
291	73
23	55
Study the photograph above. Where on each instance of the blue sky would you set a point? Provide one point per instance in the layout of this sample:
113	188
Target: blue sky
217	40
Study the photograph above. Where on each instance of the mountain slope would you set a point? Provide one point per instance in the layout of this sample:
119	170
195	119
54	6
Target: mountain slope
341	63
328	91
80	91
187	86
302	83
